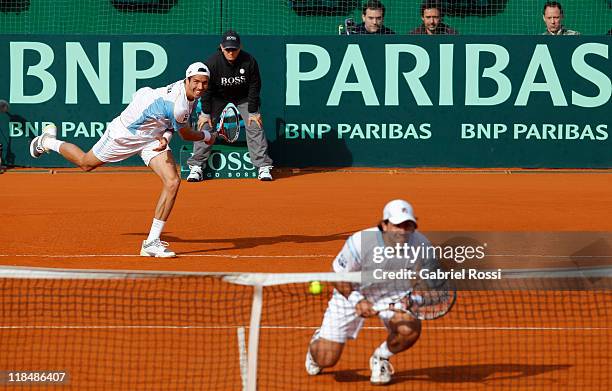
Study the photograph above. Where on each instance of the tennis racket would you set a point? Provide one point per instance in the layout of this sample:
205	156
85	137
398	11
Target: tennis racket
230	123
422	302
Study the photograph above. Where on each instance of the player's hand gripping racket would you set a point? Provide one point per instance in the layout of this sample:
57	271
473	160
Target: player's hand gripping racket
230	123
423	302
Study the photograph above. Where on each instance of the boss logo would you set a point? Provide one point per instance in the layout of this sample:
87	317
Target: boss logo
233	81
233	161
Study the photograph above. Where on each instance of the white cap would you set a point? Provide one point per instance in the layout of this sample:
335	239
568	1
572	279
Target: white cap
398	211
197	68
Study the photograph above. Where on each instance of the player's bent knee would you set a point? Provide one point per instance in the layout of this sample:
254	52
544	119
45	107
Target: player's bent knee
408	335
326	359
89	162
408	328
85	166
407	332
326	353
172	184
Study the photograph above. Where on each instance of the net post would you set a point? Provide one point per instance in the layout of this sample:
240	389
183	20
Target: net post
254	337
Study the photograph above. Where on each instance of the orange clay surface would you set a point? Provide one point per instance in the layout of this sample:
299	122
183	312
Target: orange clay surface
300	221
294	224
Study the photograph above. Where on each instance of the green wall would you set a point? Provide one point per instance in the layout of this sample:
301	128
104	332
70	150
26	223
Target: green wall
477	101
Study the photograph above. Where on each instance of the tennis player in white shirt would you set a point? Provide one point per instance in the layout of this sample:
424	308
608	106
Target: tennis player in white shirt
145	127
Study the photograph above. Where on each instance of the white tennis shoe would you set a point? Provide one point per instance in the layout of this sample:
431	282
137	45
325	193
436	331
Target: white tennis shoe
195	174
156	248
311	366
36	146
381	370
264	173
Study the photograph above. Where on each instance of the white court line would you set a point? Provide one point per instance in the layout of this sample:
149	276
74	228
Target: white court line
230	327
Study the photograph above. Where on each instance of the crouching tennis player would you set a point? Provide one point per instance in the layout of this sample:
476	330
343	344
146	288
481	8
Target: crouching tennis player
351	304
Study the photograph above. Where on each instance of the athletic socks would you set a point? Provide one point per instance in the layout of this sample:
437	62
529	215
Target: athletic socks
383	351
52	144
156	229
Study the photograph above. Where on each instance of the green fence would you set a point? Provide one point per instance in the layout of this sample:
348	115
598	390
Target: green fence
282	17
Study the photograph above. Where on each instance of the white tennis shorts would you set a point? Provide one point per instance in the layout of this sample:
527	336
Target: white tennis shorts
117	144
341	322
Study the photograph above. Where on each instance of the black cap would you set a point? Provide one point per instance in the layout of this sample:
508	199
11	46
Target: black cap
231	40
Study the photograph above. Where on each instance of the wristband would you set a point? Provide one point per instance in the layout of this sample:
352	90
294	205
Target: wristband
167	135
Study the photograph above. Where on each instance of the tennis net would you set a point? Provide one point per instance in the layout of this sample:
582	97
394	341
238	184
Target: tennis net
202	331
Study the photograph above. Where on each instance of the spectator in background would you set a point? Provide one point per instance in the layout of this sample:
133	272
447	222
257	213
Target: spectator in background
234	77
553	17
610	32
373	16
431	15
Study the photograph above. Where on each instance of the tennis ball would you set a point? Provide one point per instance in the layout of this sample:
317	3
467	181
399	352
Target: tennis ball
315	288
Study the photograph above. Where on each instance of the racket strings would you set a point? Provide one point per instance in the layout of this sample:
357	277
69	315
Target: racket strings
229	127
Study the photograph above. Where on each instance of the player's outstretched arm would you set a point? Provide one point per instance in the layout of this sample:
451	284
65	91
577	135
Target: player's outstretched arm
189	134
363	307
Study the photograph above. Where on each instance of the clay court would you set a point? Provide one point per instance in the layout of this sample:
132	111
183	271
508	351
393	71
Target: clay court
294	224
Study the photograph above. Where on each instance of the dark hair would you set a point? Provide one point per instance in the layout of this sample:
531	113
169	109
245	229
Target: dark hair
373	5
429	4
552	4
387	222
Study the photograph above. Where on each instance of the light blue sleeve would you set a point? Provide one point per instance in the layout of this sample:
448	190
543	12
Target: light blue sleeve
348	260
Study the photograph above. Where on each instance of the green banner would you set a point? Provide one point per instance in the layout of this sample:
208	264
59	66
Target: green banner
388	101
225	162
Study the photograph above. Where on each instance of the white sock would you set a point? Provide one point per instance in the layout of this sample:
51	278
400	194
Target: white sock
156	229
52	144
383	351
